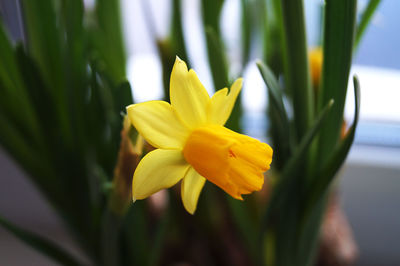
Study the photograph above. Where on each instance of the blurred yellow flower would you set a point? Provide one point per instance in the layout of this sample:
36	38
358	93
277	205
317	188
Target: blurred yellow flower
315	56
192	143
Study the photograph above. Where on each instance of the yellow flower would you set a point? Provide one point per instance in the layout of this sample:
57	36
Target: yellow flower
315	57
192	144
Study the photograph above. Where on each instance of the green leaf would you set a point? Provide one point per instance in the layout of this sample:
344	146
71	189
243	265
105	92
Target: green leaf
242	215
103	120
8	68
77	79
76	45
217	59
64	161
167	58
297	76
274	89
246	28
176	36
318	191
280	120
337	158
135	237
307	240
274	40
44	39
219	70
14	102
122	97
365	20
50	249
171	47
287	188
339	31
299	155
45	46
158	244
211	10
110	238
23	152
41	98
108	39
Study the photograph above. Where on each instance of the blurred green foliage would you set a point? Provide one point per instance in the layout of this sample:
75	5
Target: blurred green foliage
62	94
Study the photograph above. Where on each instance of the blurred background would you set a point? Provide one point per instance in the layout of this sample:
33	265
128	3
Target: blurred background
370	180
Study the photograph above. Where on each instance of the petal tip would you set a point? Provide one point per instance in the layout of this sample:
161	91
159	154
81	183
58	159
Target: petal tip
190	210
179	67
129	107
178	60
238	83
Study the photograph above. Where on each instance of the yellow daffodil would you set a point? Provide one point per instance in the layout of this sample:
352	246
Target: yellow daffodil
192	143
315	57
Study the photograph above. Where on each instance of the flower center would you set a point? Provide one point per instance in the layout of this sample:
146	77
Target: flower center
230	160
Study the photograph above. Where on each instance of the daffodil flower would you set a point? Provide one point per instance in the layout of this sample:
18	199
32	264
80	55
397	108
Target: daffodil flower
192	143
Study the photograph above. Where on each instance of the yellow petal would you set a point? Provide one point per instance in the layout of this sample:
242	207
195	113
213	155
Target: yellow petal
159	169
158	123
222	103
188	96
191	186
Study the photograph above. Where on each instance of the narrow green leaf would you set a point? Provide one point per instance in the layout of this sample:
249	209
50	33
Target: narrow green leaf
44	39
318	191
171	47
177	36
211	10
109	39
365	20
336	159
274	90
159	241
278	116
248	231
21	150
122	97
339	31
135	237
8	68
14	101
167	58
41	98
100	111
76	44
274	40
50	249
283	193
297	76
110	238
65	161
286	177
45	46
219	71
246	28
75	55
307	240
217	59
